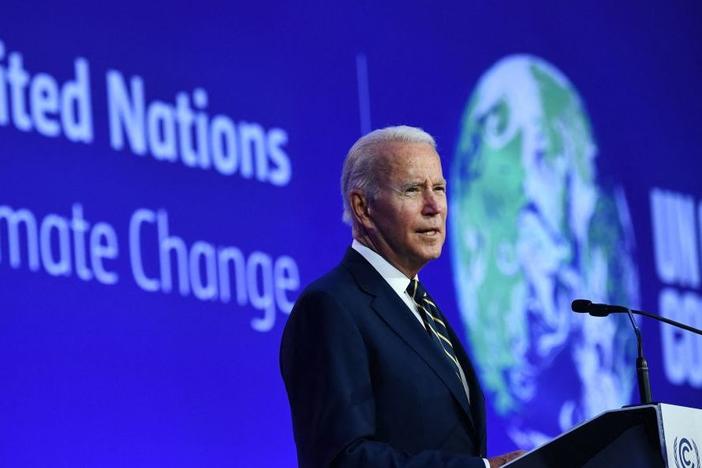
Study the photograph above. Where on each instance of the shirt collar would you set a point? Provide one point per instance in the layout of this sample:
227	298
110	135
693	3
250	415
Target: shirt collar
394	277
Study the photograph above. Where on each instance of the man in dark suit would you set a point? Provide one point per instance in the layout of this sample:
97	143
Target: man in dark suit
375	375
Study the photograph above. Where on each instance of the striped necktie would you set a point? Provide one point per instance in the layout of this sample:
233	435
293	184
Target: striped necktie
436	327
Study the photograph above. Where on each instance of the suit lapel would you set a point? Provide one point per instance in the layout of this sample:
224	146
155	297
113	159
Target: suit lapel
394	313
477	399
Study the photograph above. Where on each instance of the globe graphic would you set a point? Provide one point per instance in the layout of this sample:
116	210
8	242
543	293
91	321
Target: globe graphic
531	229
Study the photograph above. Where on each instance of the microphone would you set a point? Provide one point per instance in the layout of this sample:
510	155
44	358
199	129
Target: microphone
598	310
583	306
603	310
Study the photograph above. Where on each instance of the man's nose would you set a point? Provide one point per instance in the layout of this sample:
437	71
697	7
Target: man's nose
432	203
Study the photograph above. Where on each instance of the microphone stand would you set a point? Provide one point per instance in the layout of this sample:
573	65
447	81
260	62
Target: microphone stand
641	365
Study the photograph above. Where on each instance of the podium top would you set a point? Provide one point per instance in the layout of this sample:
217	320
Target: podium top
652	435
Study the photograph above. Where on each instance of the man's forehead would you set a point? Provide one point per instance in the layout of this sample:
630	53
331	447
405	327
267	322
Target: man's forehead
411	160
407	148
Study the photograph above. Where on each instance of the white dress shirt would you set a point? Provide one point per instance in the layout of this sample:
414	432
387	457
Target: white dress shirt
394	277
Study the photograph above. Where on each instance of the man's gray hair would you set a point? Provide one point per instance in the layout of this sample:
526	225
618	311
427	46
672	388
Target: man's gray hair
360	167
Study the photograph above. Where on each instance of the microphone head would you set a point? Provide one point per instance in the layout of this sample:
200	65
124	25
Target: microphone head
581	305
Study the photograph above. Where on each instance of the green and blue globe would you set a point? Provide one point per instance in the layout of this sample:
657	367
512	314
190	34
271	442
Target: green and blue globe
532	228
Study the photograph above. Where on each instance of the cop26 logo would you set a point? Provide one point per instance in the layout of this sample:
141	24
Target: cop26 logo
686	453
532	226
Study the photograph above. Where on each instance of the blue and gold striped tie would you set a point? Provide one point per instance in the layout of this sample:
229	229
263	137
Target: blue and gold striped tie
435	325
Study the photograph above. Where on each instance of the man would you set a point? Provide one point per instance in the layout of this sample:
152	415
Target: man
374	374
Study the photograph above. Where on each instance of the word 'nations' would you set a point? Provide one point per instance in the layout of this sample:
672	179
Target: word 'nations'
160	261
178	131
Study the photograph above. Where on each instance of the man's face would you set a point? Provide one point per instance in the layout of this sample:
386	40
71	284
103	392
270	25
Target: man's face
408	215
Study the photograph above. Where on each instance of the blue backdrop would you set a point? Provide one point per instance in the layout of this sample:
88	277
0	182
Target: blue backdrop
169	183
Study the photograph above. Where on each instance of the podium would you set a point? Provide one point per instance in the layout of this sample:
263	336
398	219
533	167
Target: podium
655	435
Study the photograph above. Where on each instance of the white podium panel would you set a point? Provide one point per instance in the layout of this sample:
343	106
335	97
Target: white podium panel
681	431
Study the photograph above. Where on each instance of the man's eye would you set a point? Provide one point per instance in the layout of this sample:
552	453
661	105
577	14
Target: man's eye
440	188
411	190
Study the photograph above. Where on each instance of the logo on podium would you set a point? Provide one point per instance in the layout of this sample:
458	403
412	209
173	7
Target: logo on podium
686	453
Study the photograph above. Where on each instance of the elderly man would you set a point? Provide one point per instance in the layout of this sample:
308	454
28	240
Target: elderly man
375	375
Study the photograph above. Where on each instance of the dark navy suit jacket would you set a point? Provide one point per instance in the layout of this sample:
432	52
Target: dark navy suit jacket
367	387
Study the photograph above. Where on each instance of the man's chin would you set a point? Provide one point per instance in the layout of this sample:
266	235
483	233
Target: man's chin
431	252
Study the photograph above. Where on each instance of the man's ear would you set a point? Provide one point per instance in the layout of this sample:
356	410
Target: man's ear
361	209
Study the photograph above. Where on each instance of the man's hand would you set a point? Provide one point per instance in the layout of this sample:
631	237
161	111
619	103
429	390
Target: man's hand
500	460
